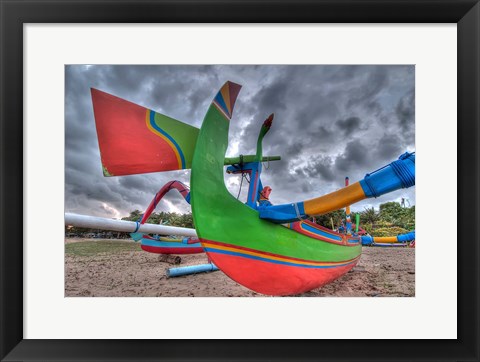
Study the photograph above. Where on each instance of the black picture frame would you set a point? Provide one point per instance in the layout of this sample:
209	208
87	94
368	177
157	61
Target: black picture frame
14	14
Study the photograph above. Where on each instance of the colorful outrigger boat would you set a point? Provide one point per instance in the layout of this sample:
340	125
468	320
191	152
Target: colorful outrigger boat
165	245
271	249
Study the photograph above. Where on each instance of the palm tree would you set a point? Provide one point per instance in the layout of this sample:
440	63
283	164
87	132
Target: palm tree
370	216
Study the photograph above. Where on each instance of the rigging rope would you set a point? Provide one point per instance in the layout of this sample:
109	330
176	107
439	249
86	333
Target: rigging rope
240	189
268	164
407	178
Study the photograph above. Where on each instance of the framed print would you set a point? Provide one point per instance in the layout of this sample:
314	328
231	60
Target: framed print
49	49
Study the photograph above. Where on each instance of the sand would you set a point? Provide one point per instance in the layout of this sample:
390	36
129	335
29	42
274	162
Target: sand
116	272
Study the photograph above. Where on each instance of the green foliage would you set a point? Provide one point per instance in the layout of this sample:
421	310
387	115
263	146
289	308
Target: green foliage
326	220
389	231
134	216
164	218
391	219
369	219
397	215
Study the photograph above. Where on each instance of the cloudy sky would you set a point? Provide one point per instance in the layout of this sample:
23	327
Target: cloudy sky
330	122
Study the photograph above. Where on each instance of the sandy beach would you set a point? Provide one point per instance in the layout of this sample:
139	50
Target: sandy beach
119	268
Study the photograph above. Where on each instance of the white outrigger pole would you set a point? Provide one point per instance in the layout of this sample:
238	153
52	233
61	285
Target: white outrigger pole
93	222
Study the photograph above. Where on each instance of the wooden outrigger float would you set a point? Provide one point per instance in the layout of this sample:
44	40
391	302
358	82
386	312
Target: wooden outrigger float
270	249
407	239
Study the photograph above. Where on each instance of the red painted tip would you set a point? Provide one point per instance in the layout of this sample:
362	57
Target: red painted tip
95	91
268	121
267	190
234	89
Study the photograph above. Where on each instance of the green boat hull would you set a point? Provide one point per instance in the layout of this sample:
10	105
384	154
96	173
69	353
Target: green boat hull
265	257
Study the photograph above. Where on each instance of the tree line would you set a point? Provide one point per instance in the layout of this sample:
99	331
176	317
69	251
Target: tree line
163	218
390	219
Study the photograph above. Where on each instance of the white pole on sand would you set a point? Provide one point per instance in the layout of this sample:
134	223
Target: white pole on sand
94	222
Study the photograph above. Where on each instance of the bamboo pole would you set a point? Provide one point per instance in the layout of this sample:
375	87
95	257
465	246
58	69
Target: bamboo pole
93	222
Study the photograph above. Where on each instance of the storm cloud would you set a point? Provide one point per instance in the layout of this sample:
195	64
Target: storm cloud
331	121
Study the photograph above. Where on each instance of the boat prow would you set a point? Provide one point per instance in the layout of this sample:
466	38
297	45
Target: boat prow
262	256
